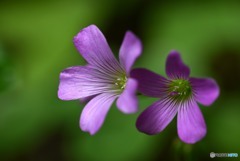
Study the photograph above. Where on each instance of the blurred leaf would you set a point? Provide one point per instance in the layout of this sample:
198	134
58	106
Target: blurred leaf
7	75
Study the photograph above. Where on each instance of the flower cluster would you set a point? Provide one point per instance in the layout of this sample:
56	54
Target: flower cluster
104	79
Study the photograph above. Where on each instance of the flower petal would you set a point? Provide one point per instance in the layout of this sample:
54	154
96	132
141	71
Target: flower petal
149	83
206	90
94	113
190	123
93	46
127	101
157	116
80	82
130	50
175	68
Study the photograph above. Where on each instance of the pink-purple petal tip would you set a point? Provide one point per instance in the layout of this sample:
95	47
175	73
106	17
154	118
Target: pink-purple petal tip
206	90
190	123
155	118
130	50
175	68
94	113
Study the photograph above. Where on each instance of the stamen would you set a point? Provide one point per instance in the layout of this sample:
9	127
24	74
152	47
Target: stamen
121	82
180	89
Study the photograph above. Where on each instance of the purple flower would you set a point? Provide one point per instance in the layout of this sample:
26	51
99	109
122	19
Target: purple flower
179	93
103	80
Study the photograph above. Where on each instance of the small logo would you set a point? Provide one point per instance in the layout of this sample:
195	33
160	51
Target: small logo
212	155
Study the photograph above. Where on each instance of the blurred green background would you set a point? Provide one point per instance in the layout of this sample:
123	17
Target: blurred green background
36	45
